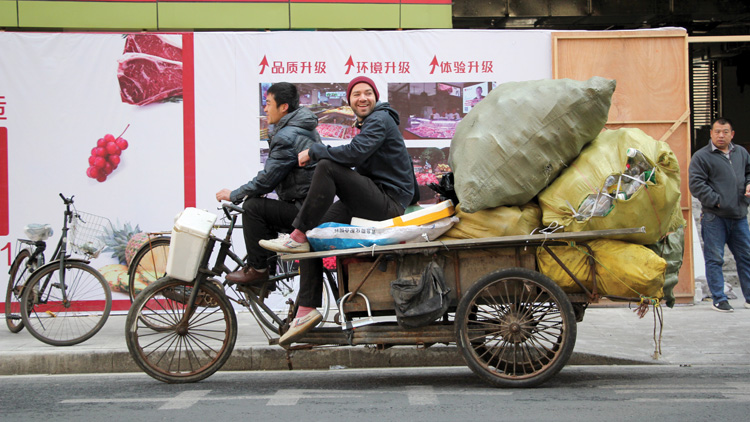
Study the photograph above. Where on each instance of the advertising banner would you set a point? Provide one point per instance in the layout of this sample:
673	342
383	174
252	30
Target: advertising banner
185	112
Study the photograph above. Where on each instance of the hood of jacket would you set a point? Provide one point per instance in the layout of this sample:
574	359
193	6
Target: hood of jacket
302	118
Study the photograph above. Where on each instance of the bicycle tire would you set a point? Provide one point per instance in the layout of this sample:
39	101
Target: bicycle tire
169	352
59	323
19	274
284	287
148	265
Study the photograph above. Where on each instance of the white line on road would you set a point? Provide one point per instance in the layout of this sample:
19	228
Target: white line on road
420	395
184	400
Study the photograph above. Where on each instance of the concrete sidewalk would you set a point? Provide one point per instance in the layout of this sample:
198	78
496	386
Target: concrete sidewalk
692	335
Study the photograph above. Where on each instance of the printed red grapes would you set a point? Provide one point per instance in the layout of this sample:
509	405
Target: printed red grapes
106	156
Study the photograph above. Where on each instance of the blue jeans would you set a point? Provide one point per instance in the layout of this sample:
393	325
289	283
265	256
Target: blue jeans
717	232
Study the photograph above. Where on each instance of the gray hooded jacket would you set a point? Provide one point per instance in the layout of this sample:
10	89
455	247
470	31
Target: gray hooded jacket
294	133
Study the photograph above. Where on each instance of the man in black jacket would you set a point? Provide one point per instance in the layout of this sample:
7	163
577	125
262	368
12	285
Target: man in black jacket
720	179
380	186
293	132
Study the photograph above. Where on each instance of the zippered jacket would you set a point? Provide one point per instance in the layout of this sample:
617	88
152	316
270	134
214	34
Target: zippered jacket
294	133
719	182
377	152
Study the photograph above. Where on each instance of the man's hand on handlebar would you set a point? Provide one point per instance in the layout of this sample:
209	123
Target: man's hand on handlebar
223	195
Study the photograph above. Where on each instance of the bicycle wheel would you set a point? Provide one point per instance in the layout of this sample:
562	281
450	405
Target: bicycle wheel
71	319
19	273
148	265
515	328
174	350
276	294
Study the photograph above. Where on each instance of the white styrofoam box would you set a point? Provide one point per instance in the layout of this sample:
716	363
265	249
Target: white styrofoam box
189	238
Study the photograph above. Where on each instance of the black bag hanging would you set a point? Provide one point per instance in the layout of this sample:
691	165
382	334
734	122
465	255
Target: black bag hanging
422	298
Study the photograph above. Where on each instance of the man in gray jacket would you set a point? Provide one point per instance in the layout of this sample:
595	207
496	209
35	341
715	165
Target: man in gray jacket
293	132
720	179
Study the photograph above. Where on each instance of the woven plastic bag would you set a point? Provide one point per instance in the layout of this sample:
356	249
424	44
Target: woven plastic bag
495	222
516	141
622	269
656	206
330	236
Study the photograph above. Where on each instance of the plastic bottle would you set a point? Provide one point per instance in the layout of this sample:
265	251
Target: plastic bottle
637	162
603	205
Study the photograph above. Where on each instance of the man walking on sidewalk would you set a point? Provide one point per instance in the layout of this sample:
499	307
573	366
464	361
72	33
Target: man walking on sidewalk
720	179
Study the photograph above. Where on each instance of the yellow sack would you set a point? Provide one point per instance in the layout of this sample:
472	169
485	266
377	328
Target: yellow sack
655	206
622	269
495	222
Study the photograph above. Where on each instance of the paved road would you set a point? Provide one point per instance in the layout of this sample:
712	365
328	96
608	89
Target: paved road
579	393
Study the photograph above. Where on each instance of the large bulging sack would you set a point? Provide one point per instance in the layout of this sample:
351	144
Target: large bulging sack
655	205
495	222
516	141
622	269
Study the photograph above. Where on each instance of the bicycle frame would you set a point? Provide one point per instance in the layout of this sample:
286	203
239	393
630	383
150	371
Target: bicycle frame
59	257
220	268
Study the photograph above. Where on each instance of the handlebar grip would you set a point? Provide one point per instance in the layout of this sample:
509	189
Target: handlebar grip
67	201
233	207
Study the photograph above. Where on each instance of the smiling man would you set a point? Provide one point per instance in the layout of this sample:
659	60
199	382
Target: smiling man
373	178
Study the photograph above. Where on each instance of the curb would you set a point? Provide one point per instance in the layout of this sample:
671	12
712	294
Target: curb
269	359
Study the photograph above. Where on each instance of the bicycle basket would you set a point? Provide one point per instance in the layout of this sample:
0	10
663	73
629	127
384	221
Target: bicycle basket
87	232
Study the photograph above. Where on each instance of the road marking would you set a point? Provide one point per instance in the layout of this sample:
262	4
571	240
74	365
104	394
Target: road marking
184	400
420	395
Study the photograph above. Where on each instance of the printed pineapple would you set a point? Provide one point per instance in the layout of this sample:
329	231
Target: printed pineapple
124	244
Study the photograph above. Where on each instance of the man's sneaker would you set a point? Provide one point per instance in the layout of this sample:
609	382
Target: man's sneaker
723	306
299	327
747	305
285	244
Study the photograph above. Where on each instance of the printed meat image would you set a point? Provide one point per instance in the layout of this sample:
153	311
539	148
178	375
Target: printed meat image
156	45
145	79
150	69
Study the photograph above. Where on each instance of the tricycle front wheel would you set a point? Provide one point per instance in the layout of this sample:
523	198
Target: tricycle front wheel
515	328
176	346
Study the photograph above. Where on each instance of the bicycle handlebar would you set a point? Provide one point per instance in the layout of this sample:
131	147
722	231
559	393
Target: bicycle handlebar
67	201
232	207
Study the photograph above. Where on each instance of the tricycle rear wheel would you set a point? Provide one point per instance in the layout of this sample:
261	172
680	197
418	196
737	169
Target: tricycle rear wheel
515	328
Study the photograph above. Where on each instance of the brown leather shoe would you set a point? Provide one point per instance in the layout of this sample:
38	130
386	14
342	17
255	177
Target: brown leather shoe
247	275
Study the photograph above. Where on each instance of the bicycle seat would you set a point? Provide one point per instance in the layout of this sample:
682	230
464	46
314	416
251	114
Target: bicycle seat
38	232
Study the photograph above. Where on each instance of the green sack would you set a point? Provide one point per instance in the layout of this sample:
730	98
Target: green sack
656	206
516	141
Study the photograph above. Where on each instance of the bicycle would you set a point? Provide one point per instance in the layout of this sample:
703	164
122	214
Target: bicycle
65	301
150	263
183	331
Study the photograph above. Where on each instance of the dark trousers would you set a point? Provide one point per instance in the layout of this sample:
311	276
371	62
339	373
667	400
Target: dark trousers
358	196
265	219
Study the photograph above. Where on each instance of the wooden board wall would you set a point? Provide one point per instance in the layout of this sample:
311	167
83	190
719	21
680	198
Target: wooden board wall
653	94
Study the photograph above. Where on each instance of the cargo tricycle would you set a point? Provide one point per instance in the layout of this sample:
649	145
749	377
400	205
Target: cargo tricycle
513	326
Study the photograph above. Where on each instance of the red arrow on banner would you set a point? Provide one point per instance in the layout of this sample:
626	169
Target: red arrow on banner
263	65
349	65
434	63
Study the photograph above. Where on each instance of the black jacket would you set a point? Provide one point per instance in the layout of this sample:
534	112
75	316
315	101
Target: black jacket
377	152
294	133
718	180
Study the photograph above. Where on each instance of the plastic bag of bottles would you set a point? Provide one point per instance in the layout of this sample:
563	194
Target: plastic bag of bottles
607	188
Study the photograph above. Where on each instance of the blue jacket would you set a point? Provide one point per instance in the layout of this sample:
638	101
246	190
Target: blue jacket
294	133
718	180
377	152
